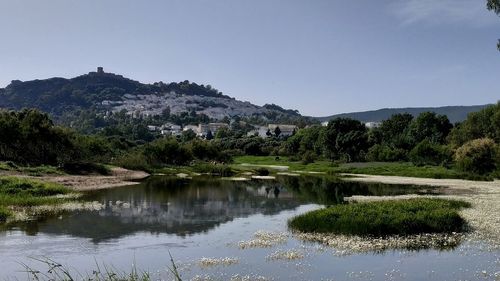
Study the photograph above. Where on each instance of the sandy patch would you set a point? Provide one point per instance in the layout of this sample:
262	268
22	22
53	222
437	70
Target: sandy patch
118	177
264	177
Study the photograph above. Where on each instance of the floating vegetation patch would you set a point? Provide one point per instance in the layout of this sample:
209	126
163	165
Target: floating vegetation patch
27	213
235	277
285	255
264	239
210	262
352	244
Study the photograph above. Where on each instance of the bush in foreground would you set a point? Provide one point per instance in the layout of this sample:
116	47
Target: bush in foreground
393	217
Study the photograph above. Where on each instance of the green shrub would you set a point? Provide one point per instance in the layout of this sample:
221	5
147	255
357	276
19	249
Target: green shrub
428	153
308	157
385	153
400	217
85	168
134	161
262	172
477	156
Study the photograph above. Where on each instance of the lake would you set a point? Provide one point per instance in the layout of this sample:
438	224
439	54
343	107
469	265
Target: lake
222	221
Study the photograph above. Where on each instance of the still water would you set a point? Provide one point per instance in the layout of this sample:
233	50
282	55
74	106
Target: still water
209	218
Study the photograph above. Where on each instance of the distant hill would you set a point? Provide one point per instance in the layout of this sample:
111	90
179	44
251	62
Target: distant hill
104	92
454	113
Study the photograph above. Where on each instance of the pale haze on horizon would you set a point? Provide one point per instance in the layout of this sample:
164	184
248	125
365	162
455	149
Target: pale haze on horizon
320	57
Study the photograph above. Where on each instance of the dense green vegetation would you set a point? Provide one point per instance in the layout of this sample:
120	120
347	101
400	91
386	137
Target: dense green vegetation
426	140
78	103
16	192
454	113
400	217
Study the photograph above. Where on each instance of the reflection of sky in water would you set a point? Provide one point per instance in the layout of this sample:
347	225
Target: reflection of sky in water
207	219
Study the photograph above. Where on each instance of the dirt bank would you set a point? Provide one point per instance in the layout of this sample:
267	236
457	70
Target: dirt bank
118	177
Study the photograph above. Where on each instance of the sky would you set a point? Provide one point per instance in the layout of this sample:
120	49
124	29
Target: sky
318	56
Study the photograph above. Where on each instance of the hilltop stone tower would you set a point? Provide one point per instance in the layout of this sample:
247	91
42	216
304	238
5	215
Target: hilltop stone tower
100	70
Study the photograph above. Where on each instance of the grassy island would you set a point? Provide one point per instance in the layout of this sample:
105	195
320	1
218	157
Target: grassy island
392	217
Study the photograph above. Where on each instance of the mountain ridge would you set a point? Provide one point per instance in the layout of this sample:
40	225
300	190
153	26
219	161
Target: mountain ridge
104	92
455	113
109	92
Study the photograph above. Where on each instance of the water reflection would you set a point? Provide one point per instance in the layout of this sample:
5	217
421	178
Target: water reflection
184	207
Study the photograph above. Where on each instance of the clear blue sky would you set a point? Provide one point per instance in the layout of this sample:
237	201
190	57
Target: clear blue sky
320	57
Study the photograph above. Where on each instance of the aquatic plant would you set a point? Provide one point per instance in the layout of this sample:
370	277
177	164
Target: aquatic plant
401	217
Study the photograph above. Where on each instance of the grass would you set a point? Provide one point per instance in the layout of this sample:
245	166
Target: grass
318	166
32	171
403	169
381	218
22	192
56	271
217	170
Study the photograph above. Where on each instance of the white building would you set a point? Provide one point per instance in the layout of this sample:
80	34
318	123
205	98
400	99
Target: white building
372	125
171	129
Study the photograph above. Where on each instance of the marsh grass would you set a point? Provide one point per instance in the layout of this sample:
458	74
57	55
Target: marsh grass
213	169
381	218
22	192
54	271
403	169
32	171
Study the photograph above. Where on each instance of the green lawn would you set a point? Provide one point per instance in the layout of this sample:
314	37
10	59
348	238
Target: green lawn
400	217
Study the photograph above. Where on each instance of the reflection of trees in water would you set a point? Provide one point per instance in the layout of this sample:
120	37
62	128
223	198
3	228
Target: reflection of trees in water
183	206
329	190
163	205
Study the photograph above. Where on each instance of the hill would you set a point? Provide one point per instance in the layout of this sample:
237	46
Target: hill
103	93
454	113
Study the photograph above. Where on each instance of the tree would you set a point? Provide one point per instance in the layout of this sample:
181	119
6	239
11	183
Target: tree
188	135
222	133
494	5
482	124
430	153
277	131
430	126
395	129
268	133
345	138
209	135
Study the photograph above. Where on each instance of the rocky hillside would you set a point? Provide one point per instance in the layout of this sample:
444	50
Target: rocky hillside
108	92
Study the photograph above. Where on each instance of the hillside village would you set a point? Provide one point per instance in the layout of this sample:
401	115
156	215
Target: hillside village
208	130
